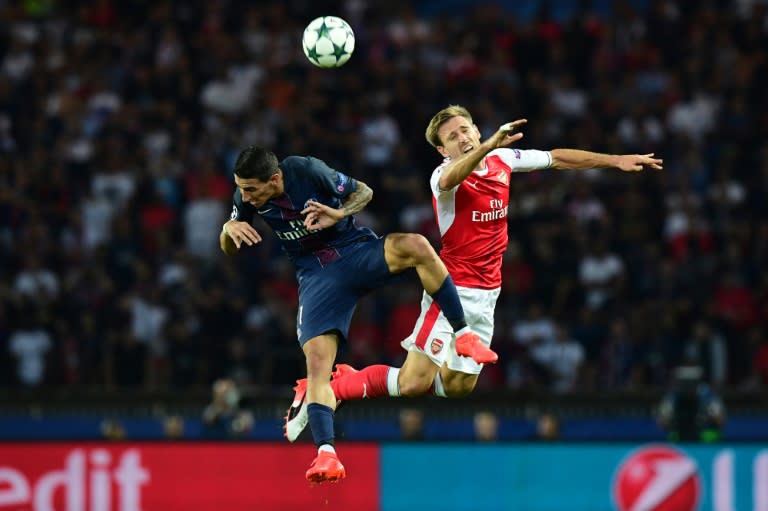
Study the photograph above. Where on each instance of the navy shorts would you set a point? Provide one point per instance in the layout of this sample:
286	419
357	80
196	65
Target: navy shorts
329	294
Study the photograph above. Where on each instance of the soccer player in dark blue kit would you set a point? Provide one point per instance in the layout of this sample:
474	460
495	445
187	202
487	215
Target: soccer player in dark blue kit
309	206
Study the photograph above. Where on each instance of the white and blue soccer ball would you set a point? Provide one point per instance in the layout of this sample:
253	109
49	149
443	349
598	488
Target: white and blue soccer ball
328	41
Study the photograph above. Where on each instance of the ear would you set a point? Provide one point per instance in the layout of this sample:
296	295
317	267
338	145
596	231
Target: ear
442	151
477	130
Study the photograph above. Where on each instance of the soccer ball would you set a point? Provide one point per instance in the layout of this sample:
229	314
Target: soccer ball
328	41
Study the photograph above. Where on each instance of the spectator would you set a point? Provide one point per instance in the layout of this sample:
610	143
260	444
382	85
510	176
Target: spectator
486	426
536	328
547	428
691	411
36	281
411	425
223	418
173	427
112	429
619	357
562	359
601	274
30	344
585	207
380	135
706	349
734	303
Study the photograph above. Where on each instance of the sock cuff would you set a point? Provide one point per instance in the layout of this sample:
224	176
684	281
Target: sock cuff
447	282
326	448
439	387
462	331
393	388
319	407
447	298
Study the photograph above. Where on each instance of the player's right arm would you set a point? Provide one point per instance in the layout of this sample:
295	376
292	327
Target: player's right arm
226	243
238	229
457	170
235	233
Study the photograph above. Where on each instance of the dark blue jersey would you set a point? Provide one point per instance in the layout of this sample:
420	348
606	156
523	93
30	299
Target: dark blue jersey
305	178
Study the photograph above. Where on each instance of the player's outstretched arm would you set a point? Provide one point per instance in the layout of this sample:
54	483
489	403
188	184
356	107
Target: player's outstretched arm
456	171
576	159
234	234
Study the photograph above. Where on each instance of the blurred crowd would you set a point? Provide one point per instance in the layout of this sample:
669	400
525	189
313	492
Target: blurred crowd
119	123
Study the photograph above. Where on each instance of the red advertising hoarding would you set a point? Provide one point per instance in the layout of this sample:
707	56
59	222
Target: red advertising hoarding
188	477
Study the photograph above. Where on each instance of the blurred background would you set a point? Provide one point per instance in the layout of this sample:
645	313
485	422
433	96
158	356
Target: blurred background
633	304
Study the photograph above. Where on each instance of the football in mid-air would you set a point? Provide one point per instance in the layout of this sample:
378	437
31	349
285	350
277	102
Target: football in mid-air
328	41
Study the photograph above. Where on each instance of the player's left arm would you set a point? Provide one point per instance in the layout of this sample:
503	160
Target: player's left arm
357	200
321	216
576	159
353	194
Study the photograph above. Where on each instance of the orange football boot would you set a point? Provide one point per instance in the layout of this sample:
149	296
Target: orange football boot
470	345
326	467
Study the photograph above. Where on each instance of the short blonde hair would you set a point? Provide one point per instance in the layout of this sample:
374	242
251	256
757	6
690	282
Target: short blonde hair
441	118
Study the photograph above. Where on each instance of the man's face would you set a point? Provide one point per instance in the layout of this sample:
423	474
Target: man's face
458	136
257	193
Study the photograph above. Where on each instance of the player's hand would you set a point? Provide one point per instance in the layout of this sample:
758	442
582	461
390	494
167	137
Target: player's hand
507	133
242	232
637	162
319	216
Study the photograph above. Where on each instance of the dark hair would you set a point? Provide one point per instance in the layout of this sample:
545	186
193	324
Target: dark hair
256	163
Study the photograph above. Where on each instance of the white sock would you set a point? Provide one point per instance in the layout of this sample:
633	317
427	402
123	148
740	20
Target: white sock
326	448
439	387
392	386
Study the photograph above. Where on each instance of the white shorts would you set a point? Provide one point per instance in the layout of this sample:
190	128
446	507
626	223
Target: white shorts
434	337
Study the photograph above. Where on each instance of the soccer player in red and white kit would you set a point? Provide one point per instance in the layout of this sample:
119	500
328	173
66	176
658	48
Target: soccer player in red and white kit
470	192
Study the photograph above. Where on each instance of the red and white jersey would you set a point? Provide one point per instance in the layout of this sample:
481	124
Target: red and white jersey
472	216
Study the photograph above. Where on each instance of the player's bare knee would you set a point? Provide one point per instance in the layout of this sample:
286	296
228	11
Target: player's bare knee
407	250
459	385
422	251
456	391
416	250
414	386
319	361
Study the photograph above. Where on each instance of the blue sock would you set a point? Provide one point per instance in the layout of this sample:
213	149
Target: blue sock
321	423
448	299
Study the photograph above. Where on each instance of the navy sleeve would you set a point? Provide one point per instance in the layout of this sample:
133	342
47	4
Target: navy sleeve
241	211
329	180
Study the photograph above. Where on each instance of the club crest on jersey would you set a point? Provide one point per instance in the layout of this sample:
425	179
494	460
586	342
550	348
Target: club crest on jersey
503	177
343	179
436	346
233	215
